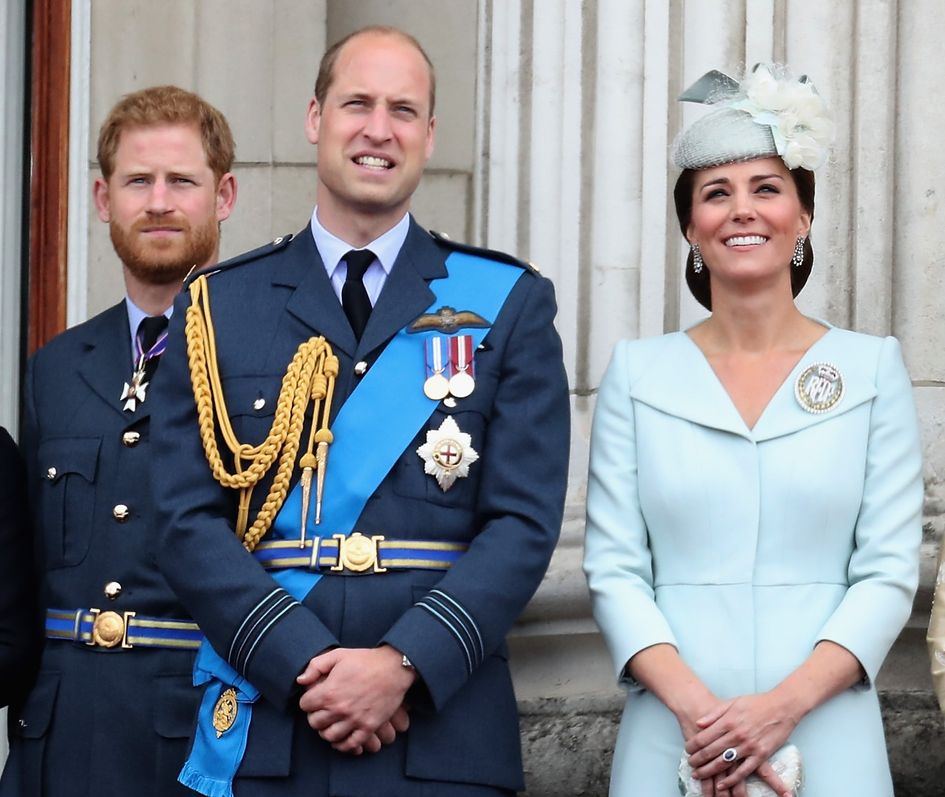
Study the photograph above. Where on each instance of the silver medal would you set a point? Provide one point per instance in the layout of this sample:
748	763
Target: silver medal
436	387
462	384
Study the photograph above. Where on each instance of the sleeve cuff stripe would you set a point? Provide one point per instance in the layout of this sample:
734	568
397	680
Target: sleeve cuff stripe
455	633
434	602
261	617
249	617
264	631
470	621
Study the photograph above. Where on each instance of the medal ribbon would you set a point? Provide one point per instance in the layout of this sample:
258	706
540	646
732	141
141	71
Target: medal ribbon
155	351
350	480
433	355
461	354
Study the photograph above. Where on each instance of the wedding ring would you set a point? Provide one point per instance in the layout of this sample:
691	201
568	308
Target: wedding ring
729	755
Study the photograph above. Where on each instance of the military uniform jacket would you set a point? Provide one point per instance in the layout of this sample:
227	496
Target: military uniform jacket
98	721
19	638
464	726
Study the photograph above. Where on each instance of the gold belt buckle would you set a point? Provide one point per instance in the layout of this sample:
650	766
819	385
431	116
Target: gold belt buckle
110	629
358	553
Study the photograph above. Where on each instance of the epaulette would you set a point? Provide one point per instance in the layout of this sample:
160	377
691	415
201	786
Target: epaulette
239	260
479	251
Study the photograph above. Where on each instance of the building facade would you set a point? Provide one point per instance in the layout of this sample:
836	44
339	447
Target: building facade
554	122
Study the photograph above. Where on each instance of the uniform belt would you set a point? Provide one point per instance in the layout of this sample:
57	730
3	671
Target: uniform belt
358	553
109	629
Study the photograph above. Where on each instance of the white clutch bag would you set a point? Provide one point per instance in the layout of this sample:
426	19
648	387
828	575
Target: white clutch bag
786	762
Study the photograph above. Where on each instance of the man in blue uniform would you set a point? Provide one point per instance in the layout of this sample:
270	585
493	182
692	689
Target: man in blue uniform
361	473
112	705
18	637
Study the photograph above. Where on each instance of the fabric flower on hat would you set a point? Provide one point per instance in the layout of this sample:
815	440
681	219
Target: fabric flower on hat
796	114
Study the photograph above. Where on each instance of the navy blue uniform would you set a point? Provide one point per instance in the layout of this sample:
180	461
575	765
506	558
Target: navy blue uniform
463	738
19	632
99	721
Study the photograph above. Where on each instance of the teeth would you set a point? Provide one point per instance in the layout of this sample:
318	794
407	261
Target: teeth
745	240
373	162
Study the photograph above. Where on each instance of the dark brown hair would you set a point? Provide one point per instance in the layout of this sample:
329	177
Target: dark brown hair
699	283
170	105
326	69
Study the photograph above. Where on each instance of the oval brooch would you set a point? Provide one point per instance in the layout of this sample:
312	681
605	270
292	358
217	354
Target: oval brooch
225	711
819	388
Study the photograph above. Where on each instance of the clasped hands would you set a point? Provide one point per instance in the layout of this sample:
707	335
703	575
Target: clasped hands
753	725
354	697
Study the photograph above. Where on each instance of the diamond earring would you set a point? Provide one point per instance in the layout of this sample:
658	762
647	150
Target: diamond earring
798	259
697	263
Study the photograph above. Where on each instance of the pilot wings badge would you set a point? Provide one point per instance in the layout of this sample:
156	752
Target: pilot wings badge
447	454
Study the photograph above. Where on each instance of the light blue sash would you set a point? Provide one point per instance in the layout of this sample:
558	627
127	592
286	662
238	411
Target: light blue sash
473	283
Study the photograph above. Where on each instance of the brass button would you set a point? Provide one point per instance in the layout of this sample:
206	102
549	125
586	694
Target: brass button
51	473
108	629
130	439
360	368
112	590
120	512
259	403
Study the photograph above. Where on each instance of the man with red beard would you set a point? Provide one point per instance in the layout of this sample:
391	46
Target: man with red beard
113	702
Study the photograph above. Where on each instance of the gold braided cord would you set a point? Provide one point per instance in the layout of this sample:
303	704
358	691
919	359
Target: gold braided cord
309	379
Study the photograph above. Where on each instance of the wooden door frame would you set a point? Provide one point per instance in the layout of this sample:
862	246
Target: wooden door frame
50	58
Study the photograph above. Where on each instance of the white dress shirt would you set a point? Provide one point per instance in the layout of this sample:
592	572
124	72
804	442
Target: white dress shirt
385	249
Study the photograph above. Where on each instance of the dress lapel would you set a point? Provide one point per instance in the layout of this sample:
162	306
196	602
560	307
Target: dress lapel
107	362
681	382
406	294
313	301
785	415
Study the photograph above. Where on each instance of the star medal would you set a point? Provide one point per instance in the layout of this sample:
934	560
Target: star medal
462	382
447	454
819	388
136	390
436	386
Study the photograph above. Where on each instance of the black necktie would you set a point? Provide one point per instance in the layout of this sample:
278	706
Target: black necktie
354	297
149	330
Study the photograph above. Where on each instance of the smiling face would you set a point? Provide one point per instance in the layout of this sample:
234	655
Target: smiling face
374	134
746	218
163	203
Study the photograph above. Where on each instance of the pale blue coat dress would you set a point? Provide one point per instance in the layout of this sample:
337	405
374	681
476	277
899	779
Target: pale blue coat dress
745	547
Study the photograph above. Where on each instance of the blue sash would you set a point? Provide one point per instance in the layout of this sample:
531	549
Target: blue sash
473	283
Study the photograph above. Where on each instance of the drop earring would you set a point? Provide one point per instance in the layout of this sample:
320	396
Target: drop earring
798	259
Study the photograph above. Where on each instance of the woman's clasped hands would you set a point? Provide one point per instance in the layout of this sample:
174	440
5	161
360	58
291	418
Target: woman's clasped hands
735	739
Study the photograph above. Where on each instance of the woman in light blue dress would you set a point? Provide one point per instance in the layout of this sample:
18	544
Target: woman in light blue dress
755	487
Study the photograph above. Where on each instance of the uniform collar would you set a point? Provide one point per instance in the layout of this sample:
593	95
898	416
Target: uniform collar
386	247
